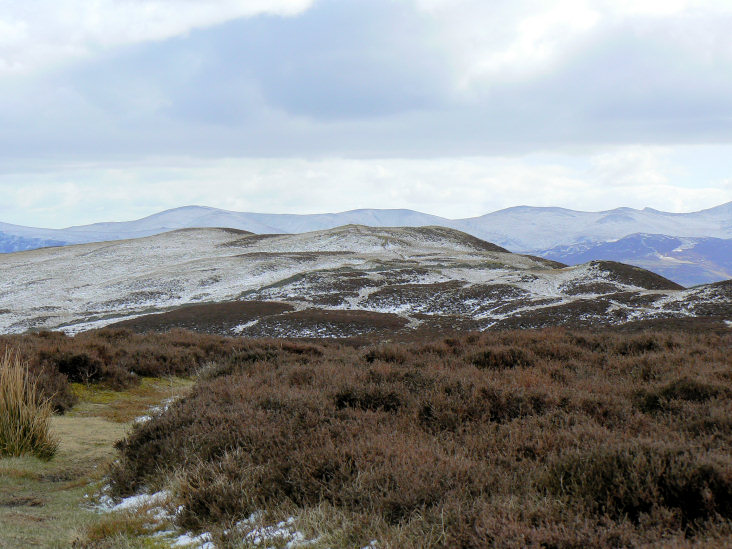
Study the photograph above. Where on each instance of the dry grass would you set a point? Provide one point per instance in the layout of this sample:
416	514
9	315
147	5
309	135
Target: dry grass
126	405
44	504
24	415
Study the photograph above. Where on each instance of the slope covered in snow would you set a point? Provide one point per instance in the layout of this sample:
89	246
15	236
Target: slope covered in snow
336	282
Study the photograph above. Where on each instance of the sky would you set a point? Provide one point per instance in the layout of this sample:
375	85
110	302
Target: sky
115	109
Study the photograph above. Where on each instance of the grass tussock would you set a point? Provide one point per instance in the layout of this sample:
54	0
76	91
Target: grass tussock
525	438
24	415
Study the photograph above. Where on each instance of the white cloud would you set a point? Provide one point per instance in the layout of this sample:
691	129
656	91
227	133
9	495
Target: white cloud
634	166
450	187
44	32
374	77
663	7
518	39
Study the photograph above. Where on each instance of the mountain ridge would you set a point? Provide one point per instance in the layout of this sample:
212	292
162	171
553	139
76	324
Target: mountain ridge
723	210
523	229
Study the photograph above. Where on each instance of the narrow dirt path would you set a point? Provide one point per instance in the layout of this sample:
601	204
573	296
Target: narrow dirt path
44	504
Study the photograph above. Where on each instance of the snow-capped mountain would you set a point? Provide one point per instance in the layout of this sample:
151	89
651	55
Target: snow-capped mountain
520	229
526	229
13	243
345	281
206	217
523	229
688	261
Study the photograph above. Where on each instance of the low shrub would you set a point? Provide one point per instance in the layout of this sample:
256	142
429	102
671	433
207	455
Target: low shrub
53	386
638	344
632	481
373	399
387	353
502	357
684	389
527	438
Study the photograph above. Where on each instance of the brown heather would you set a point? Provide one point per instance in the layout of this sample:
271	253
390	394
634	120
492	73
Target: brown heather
533	438
510	439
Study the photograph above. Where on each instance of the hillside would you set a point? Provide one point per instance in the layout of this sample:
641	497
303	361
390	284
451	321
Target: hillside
688	261
557	233
347	281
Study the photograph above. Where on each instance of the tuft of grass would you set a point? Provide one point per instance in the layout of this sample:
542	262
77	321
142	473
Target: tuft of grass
24	416
127	529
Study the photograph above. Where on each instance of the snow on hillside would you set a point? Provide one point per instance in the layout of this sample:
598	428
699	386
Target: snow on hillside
417	274
686	260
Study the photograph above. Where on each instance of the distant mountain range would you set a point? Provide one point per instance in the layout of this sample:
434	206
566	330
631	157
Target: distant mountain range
689	248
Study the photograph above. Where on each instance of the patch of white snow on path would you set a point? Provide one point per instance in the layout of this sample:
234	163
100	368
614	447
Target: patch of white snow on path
241	327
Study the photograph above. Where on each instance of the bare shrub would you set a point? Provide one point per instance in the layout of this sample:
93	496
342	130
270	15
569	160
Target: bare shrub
471	442
526	438
684	389
387	353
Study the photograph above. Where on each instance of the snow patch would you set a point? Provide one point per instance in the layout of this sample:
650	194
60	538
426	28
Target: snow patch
132	503
241	327
188	540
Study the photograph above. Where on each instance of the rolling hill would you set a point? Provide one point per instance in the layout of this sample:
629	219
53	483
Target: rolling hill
548	232
345	281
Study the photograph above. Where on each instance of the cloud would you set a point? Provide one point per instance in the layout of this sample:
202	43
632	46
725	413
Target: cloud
632	167
455	107
382	78
61	195
46	32
516	39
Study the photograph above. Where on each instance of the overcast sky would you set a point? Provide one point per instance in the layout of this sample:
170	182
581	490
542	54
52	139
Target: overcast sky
115	109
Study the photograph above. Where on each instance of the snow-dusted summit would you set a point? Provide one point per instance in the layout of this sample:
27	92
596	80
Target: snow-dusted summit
345	281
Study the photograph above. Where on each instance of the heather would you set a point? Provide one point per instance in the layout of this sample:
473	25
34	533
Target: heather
527	438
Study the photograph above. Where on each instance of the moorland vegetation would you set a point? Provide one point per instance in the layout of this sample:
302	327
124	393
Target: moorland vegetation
525	438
